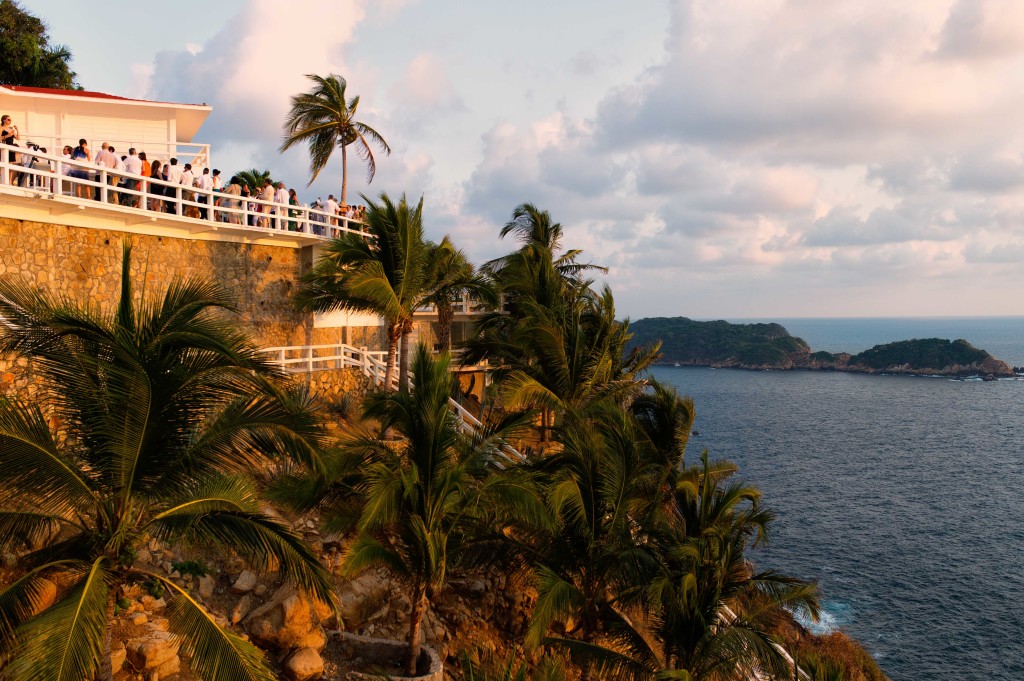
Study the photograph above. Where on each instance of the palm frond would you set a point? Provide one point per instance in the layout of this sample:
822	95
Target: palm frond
214	653
65	642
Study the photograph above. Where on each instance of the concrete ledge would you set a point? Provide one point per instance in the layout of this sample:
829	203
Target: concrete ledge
370	649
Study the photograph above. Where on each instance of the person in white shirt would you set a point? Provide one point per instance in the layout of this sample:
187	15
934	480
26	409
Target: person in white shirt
266	194
205	183
281	198
105	158
218	183
174	172
172	175
332	210
133	165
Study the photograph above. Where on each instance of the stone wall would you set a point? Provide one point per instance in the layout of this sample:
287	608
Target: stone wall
84	265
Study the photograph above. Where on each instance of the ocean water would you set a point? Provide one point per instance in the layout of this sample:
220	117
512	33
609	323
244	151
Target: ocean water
903	497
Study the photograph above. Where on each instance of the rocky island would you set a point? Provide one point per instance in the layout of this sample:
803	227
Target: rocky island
770	346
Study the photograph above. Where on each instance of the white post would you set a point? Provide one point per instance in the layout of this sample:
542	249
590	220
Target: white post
103	184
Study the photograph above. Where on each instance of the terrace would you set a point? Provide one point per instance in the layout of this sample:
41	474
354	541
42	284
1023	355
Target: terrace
95	191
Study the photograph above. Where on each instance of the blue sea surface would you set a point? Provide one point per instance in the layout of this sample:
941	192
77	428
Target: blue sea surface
902	496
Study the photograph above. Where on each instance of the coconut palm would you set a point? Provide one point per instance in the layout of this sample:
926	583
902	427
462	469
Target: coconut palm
557	344
384	273
596	484
426	493
713	611
452	277
325	119
151	418
254	178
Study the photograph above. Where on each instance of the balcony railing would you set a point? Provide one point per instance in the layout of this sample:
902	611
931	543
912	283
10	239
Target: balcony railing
186	152
87	185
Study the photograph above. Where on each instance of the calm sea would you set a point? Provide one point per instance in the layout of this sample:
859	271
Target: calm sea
903	497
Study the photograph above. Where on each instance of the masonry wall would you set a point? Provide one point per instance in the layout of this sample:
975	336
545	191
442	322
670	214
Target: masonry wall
84	264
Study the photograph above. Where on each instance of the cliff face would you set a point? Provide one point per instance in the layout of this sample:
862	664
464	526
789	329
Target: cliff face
771	347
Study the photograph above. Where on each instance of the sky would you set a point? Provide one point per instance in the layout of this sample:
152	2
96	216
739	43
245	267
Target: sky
723	158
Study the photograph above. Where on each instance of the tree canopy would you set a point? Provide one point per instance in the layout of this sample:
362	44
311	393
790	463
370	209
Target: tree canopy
26	55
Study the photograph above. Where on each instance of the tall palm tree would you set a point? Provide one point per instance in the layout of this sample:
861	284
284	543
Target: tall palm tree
452	277
384	273
325	119
425	495
153	417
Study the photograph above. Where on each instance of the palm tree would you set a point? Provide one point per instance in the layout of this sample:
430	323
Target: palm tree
325	119
154	416
596	486
558	344
714	613
383	273
453	276
254	178
424	495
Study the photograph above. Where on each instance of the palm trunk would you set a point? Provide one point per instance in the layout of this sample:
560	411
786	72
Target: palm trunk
403	362
419	607
344	175
445	317
389	371
106	670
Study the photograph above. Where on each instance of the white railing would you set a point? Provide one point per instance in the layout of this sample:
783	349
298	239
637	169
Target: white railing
303	359
299	359
54	177
186	152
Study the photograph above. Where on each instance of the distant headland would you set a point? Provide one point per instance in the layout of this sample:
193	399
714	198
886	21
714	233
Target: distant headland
770	346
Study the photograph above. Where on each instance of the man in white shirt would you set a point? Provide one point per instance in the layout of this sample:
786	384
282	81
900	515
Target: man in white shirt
187	179
205	183
174	172
281	197
105	158
133	166
332	210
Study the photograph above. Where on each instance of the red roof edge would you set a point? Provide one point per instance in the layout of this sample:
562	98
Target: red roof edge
83	93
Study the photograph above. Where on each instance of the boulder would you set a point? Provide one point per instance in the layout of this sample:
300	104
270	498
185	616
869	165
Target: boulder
152	650
206	585
303	664
360	597
290	619
117	658
245	583
242	608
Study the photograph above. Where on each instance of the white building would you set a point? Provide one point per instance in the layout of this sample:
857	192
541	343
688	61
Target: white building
53	118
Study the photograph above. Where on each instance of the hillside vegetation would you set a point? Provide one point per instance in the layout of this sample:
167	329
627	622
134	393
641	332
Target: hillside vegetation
770	346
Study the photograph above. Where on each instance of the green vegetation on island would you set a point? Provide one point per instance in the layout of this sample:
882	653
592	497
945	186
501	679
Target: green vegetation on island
770	346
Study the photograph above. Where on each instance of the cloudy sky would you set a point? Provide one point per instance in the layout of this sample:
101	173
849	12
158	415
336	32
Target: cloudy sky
725	158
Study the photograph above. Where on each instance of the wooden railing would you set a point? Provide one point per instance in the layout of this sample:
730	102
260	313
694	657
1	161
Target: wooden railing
87	185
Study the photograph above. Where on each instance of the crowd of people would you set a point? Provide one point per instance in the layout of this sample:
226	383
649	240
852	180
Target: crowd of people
172	187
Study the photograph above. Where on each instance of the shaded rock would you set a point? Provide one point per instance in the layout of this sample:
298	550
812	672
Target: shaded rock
152	651
361	596
303	664
242	608
245	583
117	657
206	585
